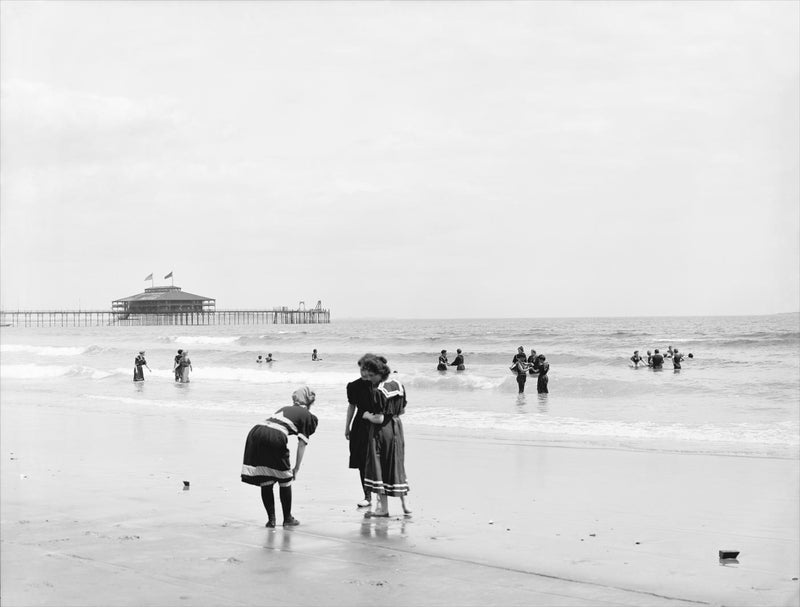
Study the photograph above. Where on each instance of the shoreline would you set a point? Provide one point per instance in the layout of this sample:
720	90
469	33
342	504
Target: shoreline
541	430
504	522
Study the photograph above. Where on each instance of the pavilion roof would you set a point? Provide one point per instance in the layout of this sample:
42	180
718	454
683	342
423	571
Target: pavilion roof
165	294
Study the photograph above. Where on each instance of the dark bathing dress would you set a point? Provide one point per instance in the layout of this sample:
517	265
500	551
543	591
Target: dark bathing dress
138	372
386	471
266	450
360	394
522	376
541	383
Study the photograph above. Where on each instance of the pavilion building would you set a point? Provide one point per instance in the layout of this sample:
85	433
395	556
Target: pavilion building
163	301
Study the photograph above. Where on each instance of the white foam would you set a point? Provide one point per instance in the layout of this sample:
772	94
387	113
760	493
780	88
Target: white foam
453	381
38	371
267	376
44	350
205	339
777	434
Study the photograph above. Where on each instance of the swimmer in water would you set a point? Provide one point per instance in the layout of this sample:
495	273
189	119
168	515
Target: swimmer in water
458	361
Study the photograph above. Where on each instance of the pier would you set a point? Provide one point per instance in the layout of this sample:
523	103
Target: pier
100	318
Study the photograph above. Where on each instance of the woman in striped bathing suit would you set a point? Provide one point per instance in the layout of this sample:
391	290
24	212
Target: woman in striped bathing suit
385	470
266	453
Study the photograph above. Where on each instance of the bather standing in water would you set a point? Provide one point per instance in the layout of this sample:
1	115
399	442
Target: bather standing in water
533	361
658	360
458	361
544	368
677	357
520	366
138	363
176	368
185	366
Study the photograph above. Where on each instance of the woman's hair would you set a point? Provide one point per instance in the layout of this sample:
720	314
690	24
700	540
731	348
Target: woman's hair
365	357
303	396
377	365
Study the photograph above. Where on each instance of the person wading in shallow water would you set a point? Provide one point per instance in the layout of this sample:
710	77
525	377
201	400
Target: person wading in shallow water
544	368
177	366
533	362
458	361
677	358
185	365
442	366
519	365
266	453
138	363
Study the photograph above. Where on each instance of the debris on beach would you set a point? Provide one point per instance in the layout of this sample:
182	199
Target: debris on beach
491	522
185	485
592	535
728	554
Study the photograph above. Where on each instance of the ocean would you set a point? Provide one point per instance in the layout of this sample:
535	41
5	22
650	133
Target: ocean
738	395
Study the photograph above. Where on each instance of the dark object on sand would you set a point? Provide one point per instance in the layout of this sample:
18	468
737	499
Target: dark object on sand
728	554
691	355
185	485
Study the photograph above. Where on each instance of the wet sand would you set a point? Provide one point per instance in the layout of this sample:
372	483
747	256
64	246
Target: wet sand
94	513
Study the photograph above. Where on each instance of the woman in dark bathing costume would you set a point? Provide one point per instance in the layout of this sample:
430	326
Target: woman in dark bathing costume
385	472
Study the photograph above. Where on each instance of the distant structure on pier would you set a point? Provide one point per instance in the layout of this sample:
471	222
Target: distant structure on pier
167	305
162	300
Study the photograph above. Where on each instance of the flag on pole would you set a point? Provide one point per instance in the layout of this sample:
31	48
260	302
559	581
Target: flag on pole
168	276
149	276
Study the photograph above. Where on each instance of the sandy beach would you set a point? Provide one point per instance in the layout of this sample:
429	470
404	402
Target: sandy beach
94	513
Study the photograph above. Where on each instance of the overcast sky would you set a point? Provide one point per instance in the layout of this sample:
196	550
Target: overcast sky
405	159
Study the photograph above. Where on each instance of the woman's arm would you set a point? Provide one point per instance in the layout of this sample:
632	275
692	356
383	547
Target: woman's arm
351	409
301	449
375	418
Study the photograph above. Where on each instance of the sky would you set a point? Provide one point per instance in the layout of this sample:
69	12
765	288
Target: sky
403	159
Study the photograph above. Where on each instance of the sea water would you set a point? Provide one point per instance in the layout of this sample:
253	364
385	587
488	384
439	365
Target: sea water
739	394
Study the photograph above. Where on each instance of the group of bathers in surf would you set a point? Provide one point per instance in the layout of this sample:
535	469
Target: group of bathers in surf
655	360
181	367
534	364
458	361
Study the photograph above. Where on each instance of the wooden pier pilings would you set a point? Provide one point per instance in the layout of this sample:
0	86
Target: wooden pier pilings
99	318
